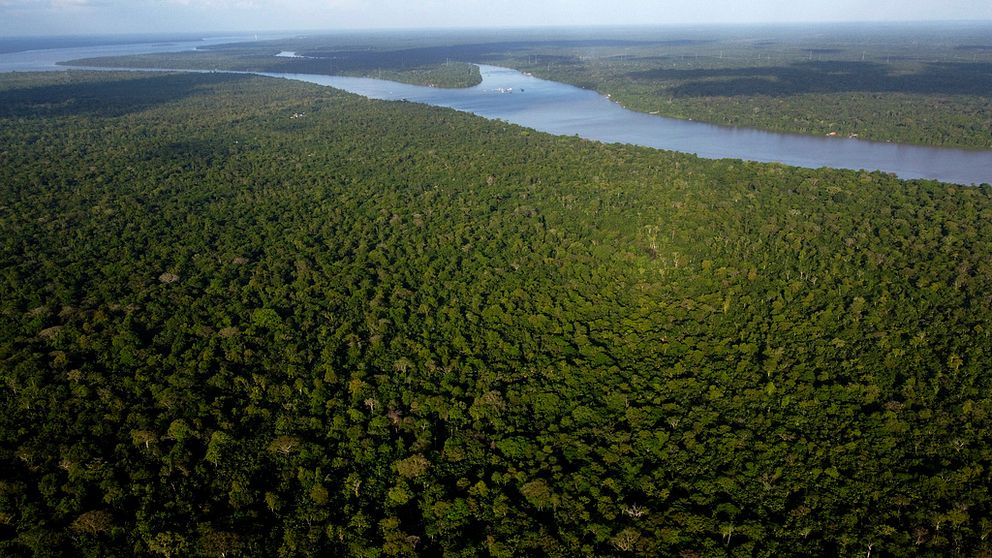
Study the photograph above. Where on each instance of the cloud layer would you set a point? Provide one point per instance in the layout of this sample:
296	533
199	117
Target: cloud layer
24	17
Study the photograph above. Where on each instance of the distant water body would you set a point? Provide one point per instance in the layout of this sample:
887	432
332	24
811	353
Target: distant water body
36	56
562	109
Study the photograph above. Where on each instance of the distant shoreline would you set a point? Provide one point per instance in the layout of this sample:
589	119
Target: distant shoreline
23	44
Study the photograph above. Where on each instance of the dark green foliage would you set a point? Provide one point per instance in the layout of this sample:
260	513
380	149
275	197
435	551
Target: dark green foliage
387	329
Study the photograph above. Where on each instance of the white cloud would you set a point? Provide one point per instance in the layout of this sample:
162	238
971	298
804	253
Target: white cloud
123	16
223	4
71	4
50	5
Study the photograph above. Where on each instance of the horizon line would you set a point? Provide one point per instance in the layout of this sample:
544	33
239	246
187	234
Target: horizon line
204	33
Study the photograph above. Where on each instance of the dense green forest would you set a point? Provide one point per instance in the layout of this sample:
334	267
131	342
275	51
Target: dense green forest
900	87
909	83
381	65
383	329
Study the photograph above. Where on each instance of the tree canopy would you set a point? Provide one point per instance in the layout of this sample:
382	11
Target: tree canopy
388	329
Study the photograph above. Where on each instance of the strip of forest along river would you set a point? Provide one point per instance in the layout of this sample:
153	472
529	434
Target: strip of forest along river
561	109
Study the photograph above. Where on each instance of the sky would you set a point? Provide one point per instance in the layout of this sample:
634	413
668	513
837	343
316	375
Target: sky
61	17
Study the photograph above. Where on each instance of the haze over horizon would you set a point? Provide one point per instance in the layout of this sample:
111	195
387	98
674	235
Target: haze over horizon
60	17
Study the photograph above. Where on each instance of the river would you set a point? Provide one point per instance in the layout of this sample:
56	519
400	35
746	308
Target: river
563	109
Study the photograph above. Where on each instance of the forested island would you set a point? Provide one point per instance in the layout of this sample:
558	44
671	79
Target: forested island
393	66
253	317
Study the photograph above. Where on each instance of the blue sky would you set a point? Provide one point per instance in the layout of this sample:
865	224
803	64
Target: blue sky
42	17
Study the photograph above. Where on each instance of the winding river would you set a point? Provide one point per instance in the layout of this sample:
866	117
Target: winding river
563	109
